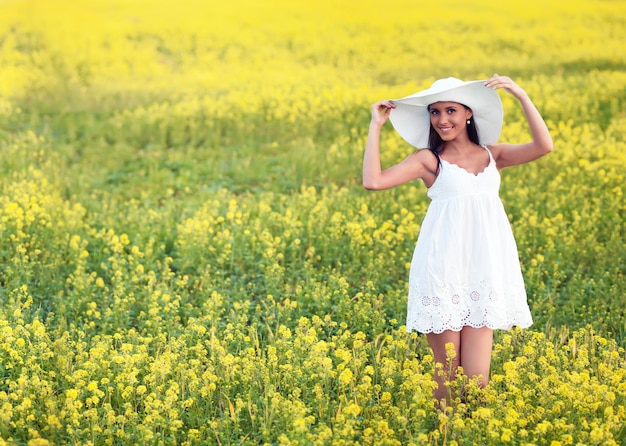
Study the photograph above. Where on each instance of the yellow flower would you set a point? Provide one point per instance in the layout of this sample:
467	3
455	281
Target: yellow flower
345	377
482	413
71	394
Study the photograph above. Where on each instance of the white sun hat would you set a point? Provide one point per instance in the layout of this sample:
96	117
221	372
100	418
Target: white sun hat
411	118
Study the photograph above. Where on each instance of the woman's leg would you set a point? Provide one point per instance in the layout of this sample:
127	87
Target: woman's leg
472	351
445	369
476	345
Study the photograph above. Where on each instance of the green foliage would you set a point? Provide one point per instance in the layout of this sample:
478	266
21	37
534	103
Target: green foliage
188	257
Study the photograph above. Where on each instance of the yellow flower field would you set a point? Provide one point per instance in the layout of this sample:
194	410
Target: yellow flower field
188	256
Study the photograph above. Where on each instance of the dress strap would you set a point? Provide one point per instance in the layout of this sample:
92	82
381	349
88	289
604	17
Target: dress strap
484	146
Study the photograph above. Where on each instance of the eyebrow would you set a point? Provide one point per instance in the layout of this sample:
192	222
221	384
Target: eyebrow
449	107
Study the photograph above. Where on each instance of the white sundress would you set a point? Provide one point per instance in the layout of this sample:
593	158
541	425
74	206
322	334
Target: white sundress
465	269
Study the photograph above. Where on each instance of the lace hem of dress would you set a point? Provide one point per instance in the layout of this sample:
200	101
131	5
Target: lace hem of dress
412	325
477	305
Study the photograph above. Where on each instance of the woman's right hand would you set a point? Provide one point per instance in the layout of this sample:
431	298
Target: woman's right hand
381	111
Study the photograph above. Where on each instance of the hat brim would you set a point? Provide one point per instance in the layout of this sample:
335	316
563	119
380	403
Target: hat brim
411	118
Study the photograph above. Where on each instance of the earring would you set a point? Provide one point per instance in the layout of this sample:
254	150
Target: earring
468	121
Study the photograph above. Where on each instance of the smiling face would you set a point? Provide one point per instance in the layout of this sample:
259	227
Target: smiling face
449	119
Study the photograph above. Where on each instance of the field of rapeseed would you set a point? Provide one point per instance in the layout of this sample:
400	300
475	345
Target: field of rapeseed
187	256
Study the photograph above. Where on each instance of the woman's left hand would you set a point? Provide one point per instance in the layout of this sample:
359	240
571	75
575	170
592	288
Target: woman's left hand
507	83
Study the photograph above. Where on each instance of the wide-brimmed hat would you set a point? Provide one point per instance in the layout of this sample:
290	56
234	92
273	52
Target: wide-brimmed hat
411	118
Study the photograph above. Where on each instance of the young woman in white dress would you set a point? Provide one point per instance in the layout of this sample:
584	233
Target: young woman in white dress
465	279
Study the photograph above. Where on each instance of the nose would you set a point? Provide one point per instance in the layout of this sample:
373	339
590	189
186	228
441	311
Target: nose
440	118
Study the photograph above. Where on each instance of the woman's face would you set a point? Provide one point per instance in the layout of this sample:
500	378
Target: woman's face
449	119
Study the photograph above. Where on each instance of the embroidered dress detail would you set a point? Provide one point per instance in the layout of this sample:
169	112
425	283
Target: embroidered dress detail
465	269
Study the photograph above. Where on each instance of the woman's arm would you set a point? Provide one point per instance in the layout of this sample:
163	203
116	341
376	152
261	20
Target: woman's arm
541	144
374	178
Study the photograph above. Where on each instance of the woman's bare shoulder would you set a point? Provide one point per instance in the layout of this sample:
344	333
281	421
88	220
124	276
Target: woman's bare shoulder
427	158
428	165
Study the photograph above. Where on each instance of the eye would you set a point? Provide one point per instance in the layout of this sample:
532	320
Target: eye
434	112
451	110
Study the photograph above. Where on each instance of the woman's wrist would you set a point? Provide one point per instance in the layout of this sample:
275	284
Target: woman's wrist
522	96
374	125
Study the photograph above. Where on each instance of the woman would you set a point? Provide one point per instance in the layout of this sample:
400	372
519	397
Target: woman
465	279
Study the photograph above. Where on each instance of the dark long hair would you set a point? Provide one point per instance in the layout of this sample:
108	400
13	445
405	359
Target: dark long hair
435	143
